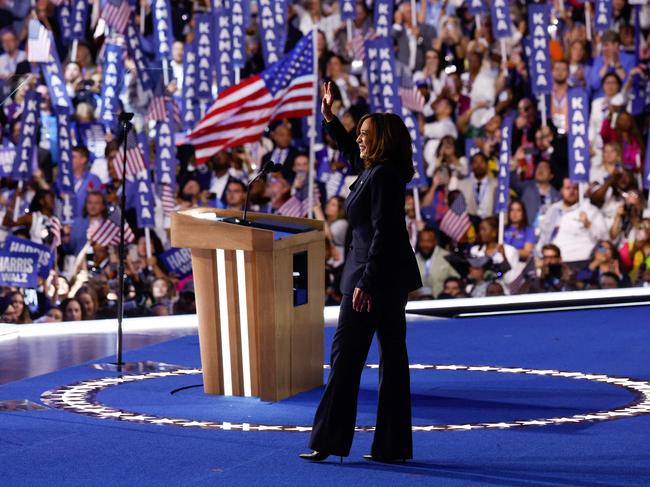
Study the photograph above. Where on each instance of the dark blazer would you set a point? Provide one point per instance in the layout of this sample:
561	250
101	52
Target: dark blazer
380	258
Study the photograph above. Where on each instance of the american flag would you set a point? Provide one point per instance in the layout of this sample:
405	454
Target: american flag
38	43
455	221
108	233
297	208
358	40
241	113
157	110
116	14
134	158
412	99
167	198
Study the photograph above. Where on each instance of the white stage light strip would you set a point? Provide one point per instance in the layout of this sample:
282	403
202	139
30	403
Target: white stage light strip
243	322
223	318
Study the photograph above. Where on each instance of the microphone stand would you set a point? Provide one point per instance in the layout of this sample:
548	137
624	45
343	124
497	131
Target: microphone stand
125	118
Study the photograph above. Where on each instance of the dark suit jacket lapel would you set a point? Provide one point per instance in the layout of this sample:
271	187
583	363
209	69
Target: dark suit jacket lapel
358	187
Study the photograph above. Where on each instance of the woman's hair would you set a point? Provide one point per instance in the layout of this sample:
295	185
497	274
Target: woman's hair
24	317
453	143
524	217
93	295
493	222
66	302
612	248
36	204
390	143
341	211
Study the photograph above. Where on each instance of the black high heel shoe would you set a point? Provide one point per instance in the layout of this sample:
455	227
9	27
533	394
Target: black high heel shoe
316	456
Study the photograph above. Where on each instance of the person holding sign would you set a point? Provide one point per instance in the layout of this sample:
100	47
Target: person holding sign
378	275
44	227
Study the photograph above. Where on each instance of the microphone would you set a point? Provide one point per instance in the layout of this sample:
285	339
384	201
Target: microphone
270	166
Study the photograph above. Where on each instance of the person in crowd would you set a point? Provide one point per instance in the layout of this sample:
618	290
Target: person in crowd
517	232
477	285
412	40
89	301
554	274
625	132
43	226
609	280
504	257
559	109
611	60
20	311
452	288
220	165
348	85
76	236
572	226
283	151
579	68
635	253
443	125
72	310
604	259
84	180
536	195
432	75
600	110
434	268
235	195
73	77
11	57
448	155
479	189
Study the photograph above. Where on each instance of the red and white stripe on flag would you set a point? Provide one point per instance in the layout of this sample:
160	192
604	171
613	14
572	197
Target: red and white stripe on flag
108	233
412	99
168	199
116	14
241	113
134	162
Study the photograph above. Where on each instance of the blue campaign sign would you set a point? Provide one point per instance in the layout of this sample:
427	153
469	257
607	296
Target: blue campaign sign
162	21
579	162
347	8
145	203
18	269
382	81
383	17
15	245
272	19
419	178
540	60
27	141
505	149
205	51
603	15
501	21
476	7
178	261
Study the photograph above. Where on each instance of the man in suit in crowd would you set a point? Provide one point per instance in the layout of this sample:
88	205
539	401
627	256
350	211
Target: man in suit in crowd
479	189
282	153
538	194
434	268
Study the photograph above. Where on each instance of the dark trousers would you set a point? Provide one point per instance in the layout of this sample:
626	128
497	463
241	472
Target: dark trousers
336	414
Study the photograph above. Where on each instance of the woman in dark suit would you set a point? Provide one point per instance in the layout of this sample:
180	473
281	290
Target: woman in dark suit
379	272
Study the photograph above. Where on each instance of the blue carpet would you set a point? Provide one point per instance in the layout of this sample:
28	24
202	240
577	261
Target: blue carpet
54	447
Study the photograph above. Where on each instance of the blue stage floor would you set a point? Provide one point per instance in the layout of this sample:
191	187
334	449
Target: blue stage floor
556	399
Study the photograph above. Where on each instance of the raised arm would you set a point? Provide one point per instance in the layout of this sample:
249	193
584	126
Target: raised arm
346	141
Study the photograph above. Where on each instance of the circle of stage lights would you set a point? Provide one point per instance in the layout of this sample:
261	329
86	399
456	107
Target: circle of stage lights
80	398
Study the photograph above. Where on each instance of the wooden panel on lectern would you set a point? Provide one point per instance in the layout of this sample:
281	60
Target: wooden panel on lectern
207	306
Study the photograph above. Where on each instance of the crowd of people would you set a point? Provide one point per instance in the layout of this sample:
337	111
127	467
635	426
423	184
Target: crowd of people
557	235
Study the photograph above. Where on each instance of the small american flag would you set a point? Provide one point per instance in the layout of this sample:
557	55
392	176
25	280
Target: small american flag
358	40
168	199
455	221
241	113
108	233
38	42
157	111
412	99
134	158
297	208
116	14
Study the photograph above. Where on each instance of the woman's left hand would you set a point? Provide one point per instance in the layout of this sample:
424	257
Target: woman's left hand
361	300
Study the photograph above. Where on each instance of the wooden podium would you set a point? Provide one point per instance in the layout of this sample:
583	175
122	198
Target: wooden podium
256	337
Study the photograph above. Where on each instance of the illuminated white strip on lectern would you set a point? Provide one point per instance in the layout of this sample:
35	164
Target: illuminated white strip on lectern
243	322
223	318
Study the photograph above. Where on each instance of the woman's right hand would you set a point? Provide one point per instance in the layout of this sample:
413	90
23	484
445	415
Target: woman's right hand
327	102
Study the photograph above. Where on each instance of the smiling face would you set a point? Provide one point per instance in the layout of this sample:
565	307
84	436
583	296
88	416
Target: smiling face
365	138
